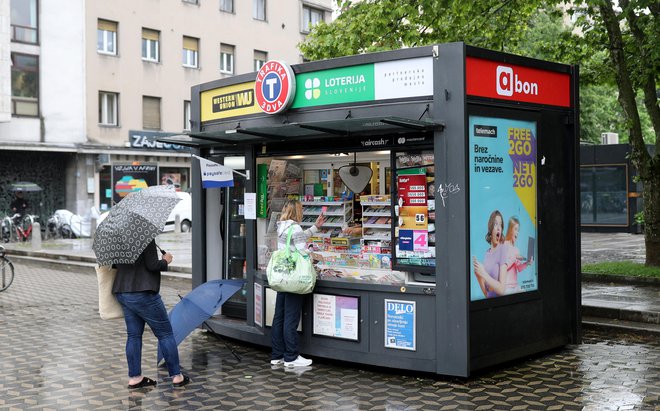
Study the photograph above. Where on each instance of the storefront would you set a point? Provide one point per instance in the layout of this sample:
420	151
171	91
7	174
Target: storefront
424	161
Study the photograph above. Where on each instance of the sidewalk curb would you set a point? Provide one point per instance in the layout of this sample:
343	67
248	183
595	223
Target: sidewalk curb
620	279
636	316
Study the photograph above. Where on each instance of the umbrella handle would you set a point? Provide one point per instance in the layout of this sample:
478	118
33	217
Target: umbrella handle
161	250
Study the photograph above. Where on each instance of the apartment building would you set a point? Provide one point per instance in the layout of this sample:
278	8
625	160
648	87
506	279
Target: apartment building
88	85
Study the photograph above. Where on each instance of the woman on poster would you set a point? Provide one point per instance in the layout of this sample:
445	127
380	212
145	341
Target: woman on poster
516	262
492	274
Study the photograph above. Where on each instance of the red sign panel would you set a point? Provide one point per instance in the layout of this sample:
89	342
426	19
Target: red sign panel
274	87
493	79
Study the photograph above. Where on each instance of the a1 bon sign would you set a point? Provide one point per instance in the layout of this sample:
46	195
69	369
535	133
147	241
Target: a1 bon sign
274	87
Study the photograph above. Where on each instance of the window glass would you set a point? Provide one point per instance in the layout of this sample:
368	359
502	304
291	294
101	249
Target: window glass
603	195
108	108
186	115
190	50
150	44
227	5
260	58
226	58
24	21
106	37
259	9
311	16
25	85
151	113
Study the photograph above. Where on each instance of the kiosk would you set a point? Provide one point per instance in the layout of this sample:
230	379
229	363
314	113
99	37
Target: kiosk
447	175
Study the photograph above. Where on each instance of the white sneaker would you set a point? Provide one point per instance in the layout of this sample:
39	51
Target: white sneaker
298	362
277	362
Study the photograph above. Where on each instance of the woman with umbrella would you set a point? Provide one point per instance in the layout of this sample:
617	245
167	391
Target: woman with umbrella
126	239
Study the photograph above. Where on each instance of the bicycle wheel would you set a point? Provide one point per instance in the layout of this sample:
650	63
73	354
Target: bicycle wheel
6	273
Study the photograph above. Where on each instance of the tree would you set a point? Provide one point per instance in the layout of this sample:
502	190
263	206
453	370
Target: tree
631	37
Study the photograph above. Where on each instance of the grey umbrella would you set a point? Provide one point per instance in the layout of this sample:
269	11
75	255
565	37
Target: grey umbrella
132	224
24	186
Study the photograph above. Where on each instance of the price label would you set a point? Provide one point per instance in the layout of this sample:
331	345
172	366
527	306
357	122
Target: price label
420	218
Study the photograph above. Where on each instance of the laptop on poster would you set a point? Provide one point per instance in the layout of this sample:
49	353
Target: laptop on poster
530	248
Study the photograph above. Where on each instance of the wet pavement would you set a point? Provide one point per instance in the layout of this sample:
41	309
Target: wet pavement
58	354
600	247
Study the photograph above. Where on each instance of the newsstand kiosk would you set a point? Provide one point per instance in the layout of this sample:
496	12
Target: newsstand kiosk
447	177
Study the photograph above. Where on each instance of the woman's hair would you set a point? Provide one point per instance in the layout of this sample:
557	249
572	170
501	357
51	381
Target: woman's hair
513	221
491	224
292	210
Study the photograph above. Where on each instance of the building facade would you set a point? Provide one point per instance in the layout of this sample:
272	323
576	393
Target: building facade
88	86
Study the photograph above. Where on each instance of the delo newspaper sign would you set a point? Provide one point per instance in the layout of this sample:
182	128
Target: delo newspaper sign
492	79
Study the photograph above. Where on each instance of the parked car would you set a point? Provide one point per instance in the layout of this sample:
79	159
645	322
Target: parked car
183	209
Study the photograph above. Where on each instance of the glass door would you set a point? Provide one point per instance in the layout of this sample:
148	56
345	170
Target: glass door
233	233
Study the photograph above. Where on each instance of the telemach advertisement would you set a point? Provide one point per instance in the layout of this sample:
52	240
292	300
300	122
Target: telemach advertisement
503	230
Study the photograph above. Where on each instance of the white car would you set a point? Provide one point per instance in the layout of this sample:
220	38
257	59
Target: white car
183	208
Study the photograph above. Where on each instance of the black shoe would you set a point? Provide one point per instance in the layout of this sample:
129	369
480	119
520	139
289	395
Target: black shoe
183	382
146	382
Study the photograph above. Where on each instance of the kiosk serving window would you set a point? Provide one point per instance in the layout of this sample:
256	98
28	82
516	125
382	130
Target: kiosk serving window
355	242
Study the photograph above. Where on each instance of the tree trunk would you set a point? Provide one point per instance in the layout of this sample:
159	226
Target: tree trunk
652	219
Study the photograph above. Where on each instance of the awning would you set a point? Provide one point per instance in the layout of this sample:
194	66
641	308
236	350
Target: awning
313	130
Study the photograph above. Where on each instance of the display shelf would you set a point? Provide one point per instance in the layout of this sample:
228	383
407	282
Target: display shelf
341	211
380	209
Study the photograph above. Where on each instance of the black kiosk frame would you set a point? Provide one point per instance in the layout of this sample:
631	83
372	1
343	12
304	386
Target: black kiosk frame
447	325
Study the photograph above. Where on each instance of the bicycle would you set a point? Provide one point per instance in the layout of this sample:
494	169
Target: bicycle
16	228
6	270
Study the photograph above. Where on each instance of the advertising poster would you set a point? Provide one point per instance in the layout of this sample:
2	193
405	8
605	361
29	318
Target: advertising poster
400	318
412	187
127	178
503	232
336	316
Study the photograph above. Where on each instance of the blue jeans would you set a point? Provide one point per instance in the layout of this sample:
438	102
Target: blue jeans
147	307
284	332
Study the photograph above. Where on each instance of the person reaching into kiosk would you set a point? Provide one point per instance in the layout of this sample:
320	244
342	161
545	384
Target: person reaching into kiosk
288	306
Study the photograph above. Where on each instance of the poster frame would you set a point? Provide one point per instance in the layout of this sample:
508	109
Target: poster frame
359	311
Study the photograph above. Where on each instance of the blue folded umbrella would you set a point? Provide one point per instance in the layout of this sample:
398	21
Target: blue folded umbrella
199	305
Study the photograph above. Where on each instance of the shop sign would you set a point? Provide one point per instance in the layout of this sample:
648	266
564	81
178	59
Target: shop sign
275	87
367	82
493	79
226	102
147	139
400	324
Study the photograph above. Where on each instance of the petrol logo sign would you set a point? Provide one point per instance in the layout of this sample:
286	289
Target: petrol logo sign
274	87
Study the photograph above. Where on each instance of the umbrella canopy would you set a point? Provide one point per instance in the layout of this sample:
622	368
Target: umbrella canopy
132	224
199	305
24	186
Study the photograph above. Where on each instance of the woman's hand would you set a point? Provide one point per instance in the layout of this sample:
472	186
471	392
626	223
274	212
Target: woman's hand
479	269
168	258
320	220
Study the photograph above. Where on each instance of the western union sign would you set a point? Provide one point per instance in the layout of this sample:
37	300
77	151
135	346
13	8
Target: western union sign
227	102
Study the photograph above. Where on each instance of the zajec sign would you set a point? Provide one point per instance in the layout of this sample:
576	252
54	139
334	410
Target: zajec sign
493	79
275	87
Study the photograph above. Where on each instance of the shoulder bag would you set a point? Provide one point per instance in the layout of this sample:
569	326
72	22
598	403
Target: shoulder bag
291	272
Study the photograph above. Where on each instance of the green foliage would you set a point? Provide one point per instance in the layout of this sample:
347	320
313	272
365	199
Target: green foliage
639	218
622	268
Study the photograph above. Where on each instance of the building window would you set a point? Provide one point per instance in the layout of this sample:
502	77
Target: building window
106	37
260	58
226	59
186	115
190	50
191	1
23	20
150	113
311	17
227	5
150	45
259	9
108	108
24	85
